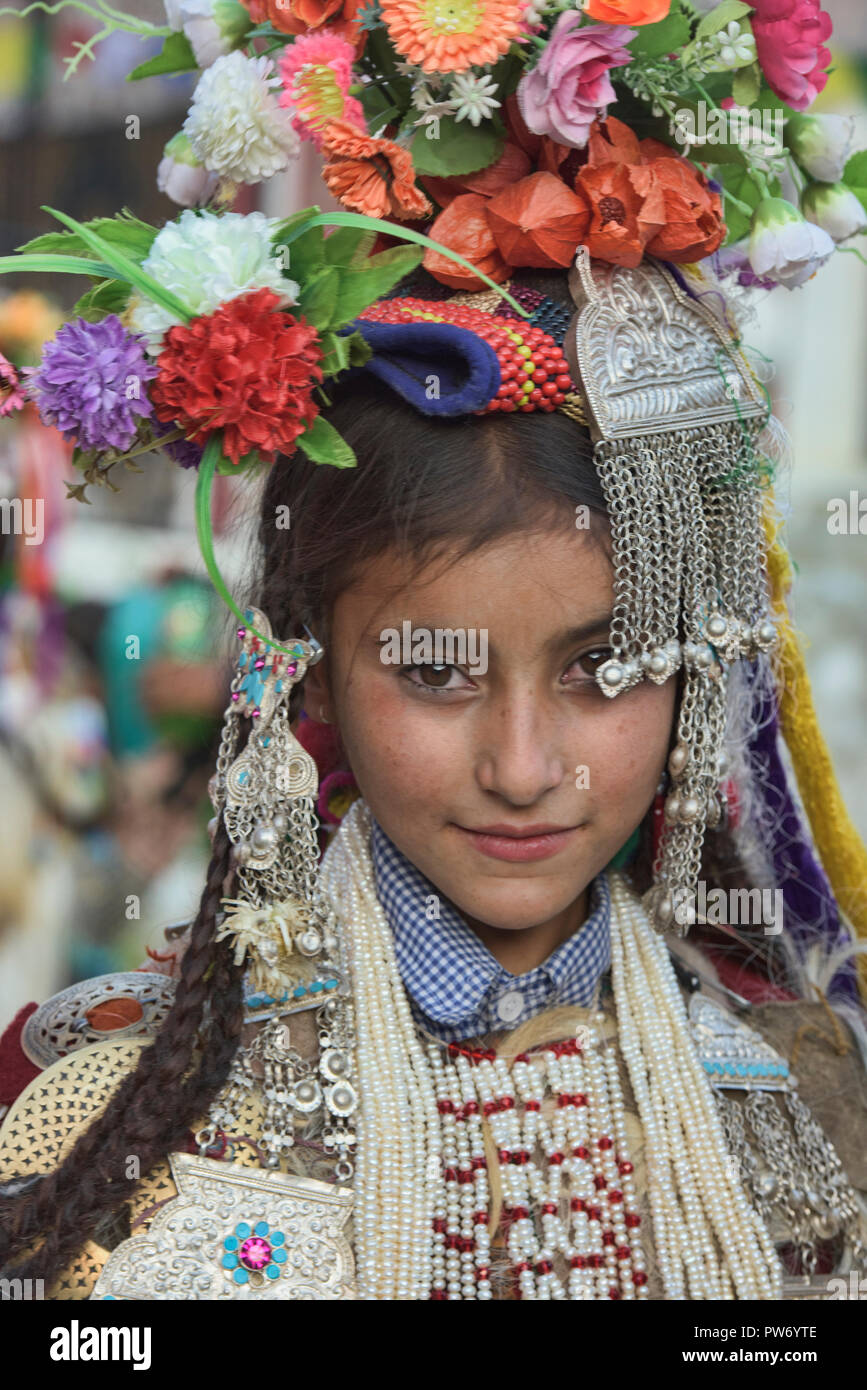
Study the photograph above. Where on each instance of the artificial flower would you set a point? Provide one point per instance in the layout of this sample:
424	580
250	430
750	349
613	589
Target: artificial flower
693	225
306	16
213	27
11	395
27	320
834	208
90	384
205	260
182	177
316	72
538	222
730	48
784	246
790	37
248	369
473	98
337	792
371	176
821	144
235	123
627	11
464	227
570	87
452	35
618	230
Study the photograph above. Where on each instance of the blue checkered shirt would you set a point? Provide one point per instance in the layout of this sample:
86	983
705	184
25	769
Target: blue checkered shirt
456	987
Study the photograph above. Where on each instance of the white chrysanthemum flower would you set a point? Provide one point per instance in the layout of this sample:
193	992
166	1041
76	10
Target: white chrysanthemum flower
206	259
473	98
235	124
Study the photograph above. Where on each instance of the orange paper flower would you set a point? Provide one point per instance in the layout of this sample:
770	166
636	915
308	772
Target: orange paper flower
693	225
538	221
463	227
452	35
371	176
628	11
304	16
618	229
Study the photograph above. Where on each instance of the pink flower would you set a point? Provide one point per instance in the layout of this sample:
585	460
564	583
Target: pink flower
790	35
11	395
570	86
316	71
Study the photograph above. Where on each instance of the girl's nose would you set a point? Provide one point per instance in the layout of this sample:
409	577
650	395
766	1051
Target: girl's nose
520	753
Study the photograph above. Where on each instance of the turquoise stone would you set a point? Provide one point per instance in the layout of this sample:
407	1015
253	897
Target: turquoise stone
272	1272
277	1238
242	1229
301	990
230	1243
230	1261
280	1256
261	1229
241	1276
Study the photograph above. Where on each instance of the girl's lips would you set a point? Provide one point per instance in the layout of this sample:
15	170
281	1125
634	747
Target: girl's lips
519	849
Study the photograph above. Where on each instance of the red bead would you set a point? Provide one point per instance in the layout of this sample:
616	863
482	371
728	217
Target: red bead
632	1219
446	1107
490	1107
440	1224
480	1218
594	1213
453	1241
639	1278
596	1261
580	1152
544	1267
579	1098
556	1158
451	1175
540	375
559	398
578	1262
507	1102
604	1142
522	1266
471	1107
465	1175
615	1195
483	1272
599	1182
614	1294
504	1155
550	1208
479	1161
623	1252
625	1167
549	388
563	381
608	1237
438	1296
525	409
577	1203
507	389
521	1156
536	396
533	1105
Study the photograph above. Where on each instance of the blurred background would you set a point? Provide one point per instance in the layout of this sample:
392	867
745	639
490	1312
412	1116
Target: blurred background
106	749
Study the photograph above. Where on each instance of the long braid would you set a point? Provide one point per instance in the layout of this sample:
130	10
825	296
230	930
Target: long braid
152	1109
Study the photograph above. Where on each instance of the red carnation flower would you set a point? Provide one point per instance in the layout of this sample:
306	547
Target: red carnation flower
246	369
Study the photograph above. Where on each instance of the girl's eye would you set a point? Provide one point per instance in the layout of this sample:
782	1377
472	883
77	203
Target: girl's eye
433	678
589	662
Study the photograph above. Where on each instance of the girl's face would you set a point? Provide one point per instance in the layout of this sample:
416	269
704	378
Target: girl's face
510	789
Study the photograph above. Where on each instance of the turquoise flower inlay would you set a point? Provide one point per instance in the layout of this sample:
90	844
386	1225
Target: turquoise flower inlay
254	1250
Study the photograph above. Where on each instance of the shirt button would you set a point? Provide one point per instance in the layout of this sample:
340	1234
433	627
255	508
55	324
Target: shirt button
510	1006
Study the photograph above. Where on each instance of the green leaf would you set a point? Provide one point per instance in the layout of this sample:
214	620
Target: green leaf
743	186
125	269
318	298
125	231
747	84
722	15
342	350
667	36
348	246
307	255
458	148
358	288
323	444
56	265
855	175
176	56
110	297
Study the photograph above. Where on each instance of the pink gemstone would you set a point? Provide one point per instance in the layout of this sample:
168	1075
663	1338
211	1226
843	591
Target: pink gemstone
242	633
292	668
236	694
259	663
255	1253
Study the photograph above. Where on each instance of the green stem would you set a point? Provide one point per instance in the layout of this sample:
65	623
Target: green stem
207	468
744	207
853	251
377	224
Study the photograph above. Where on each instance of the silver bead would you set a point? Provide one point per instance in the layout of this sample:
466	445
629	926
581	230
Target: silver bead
613	673
678	759
672	808
716	626
308	942
280	823
263	839
703	658
658	663
690	809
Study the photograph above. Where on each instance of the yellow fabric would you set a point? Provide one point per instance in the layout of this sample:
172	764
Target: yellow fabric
840	847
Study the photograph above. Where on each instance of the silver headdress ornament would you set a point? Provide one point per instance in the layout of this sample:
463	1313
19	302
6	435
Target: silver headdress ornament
675	414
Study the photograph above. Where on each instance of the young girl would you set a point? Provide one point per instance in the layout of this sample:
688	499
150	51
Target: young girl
461	1065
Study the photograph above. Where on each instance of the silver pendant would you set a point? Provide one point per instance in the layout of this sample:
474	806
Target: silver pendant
237	1233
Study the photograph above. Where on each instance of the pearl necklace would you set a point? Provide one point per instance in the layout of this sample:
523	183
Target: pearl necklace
422	1182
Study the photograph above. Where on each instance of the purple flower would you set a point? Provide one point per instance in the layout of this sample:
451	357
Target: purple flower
181	451
570	86
90	383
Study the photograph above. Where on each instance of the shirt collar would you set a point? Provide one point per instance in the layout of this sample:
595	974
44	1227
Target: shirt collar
447	971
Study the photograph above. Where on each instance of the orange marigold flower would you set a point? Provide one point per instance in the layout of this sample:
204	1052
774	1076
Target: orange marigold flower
452	35
628	11
306	16
371	176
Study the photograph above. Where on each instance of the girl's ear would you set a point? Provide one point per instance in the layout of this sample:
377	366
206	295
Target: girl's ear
317	694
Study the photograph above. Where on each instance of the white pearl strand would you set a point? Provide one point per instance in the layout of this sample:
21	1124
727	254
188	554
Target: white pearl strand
693	1195
399	1169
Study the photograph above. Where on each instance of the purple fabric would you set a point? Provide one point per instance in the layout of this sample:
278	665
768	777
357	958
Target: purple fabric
439	368
810	907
